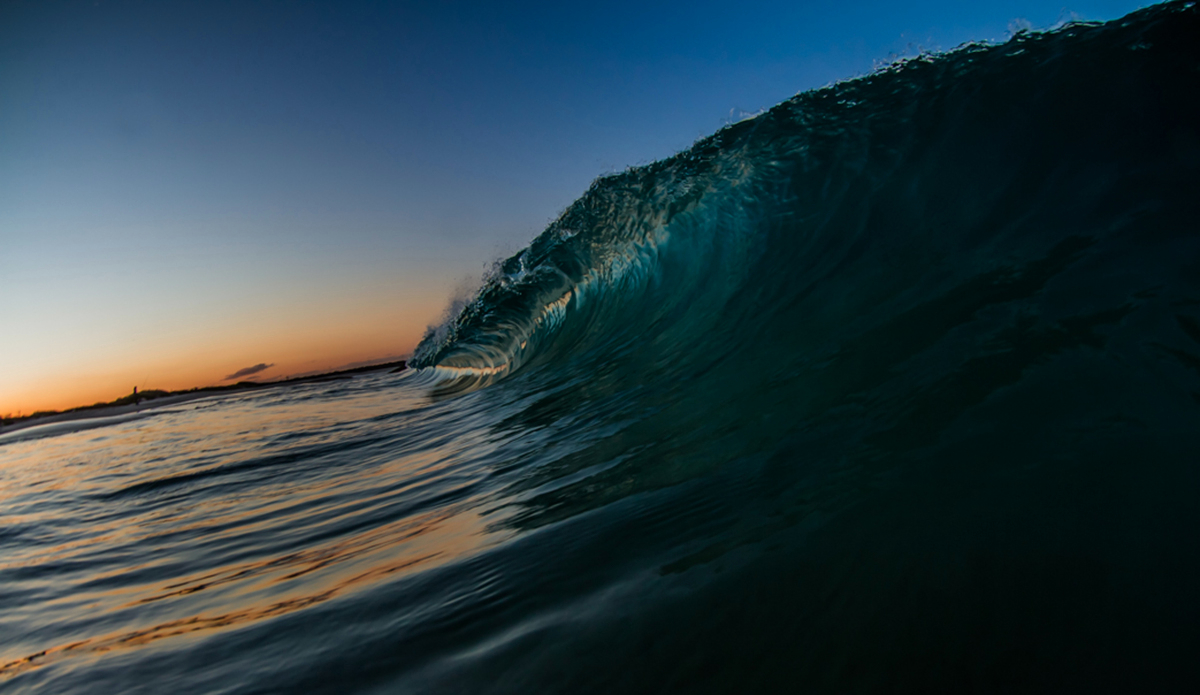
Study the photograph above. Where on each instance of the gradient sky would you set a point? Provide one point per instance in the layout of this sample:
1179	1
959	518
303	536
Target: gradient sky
189	189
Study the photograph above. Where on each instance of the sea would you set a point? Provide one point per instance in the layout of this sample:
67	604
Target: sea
893	388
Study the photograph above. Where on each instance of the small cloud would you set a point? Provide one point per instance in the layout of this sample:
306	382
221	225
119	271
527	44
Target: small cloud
260	367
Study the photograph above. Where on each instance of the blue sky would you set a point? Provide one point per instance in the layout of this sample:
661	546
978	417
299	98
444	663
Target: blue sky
187	189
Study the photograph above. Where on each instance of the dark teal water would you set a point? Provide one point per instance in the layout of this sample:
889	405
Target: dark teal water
893	388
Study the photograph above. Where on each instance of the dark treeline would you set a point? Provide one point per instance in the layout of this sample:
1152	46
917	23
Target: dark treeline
137	397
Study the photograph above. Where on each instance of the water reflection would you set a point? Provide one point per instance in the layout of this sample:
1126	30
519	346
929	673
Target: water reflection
225	513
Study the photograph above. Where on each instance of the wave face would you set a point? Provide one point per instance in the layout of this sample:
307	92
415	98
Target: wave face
895	387
926	187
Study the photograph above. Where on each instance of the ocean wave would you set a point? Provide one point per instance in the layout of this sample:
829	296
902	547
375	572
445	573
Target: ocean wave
919	175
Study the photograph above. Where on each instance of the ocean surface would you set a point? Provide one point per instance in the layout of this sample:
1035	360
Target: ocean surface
892	388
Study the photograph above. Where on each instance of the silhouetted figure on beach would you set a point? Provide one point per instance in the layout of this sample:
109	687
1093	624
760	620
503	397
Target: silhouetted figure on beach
136	398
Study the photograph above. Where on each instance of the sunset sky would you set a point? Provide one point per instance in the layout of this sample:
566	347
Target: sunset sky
190	189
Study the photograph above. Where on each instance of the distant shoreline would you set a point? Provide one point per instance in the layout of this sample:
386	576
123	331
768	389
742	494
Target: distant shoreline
155	398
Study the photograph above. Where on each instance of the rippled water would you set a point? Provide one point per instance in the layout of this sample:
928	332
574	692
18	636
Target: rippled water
895	387
136	543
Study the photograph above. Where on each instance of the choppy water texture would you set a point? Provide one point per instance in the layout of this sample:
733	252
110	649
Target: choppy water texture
895	387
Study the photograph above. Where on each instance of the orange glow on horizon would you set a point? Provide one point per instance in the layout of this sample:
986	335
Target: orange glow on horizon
294	344
81	390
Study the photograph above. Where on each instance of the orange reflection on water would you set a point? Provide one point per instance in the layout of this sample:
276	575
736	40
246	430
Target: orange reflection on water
394	550
236	479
